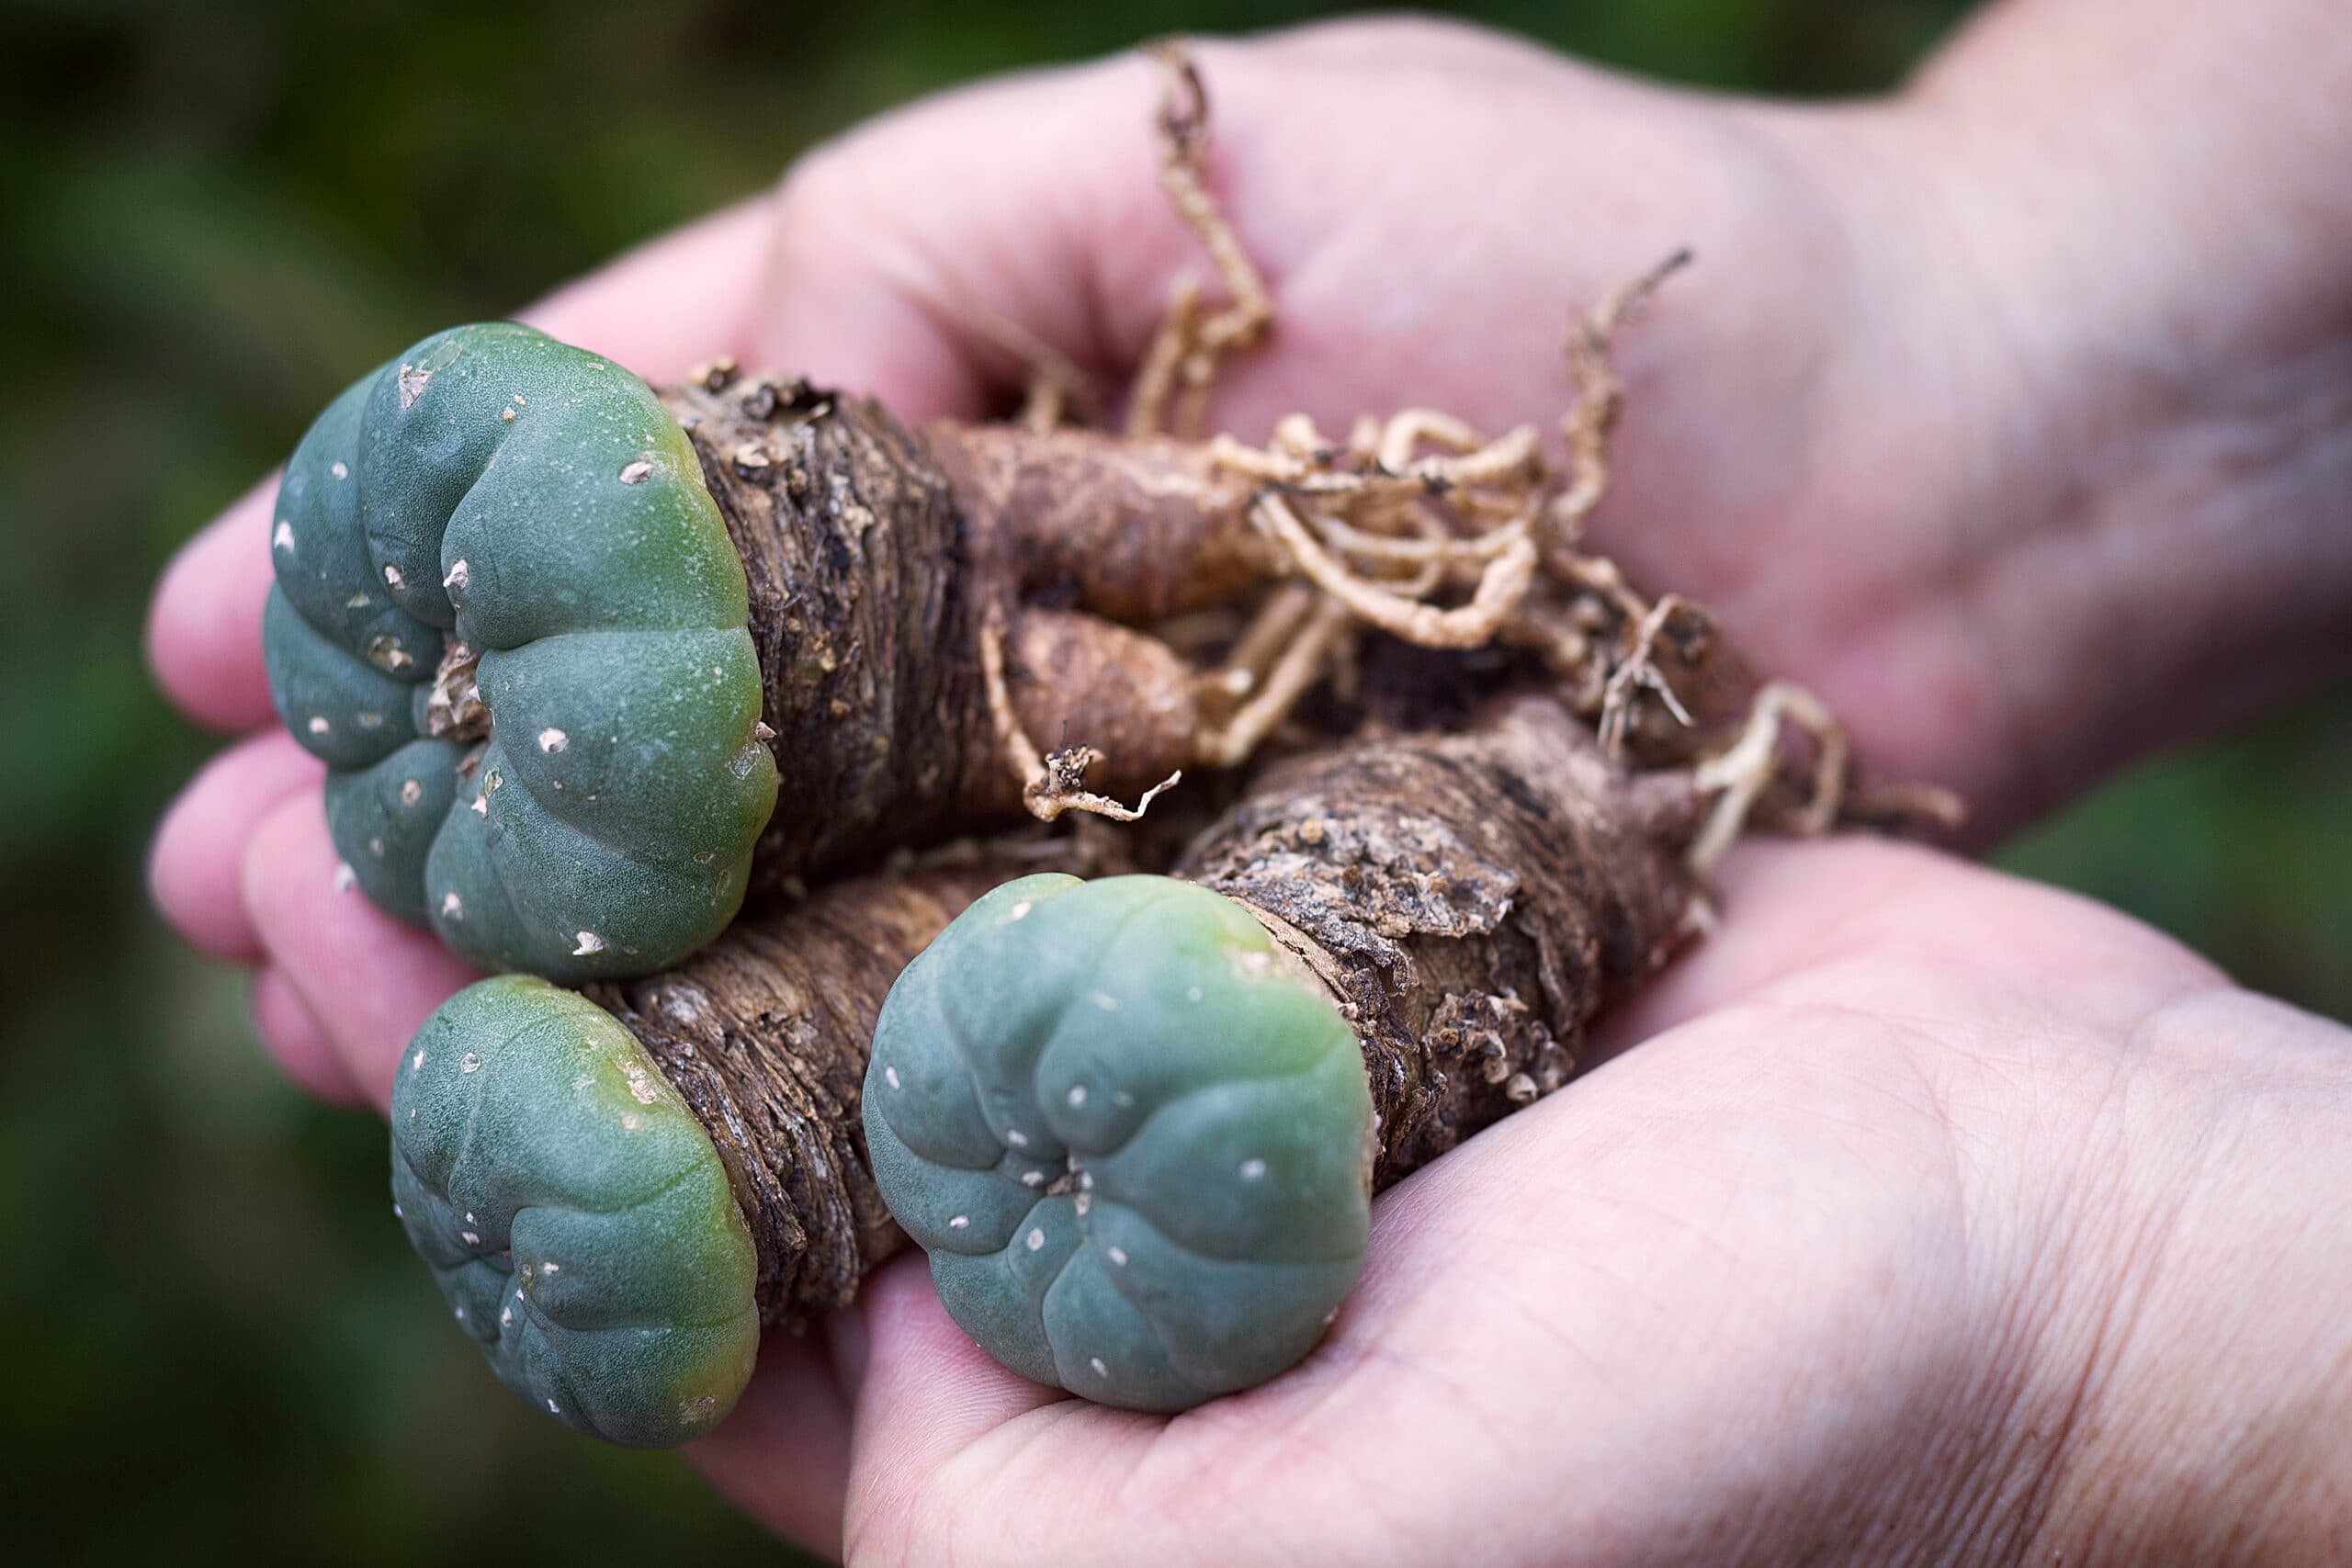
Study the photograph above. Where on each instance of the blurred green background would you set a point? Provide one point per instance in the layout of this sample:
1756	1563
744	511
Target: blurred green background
218	1343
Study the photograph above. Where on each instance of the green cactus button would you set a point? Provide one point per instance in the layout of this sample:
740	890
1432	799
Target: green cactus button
575	1214
1131	1135
583	800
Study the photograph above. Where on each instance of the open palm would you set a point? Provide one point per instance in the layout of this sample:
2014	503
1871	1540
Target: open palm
1833	1257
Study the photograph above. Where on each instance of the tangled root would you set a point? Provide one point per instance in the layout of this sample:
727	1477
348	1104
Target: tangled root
1171	390
1423	527
1738	775
1051	783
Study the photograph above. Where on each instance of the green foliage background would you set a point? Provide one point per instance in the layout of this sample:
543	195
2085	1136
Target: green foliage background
218	1345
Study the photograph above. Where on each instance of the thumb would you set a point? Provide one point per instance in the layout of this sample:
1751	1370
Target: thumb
950	1451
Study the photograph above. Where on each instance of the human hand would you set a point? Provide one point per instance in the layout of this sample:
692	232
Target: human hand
1939	1217
1821	438
1811	424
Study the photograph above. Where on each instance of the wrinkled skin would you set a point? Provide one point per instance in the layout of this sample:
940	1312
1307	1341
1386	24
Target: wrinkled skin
1938	1217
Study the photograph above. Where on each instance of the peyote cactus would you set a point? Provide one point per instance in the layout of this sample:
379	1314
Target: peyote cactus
1133	1135
509	619
575	1214
1135	1121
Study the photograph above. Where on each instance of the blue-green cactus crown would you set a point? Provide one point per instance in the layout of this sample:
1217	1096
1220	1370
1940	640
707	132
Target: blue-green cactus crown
575	1214
1131	1134
535	504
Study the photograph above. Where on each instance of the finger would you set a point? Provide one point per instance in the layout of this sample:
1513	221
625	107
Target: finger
195	866
669	305
929	1398
204	623
783	1455
1409	44
298	1043
658	310
915	257
909	253
368	979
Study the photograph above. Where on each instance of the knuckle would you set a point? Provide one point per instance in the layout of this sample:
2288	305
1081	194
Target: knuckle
832	186
825	212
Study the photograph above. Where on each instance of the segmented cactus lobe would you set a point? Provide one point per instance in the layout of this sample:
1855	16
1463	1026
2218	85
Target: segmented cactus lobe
498	509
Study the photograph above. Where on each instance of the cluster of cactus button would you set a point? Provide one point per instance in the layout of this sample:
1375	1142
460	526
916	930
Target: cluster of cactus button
1129	1131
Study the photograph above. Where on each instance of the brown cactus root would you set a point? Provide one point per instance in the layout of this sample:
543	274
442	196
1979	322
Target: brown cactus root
888	572
1472	901
928	609
764	1034
956	624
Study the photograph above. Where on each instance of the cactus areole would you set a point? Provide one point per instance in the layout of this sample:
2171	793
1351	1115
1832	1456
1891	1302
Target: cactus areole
509	619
